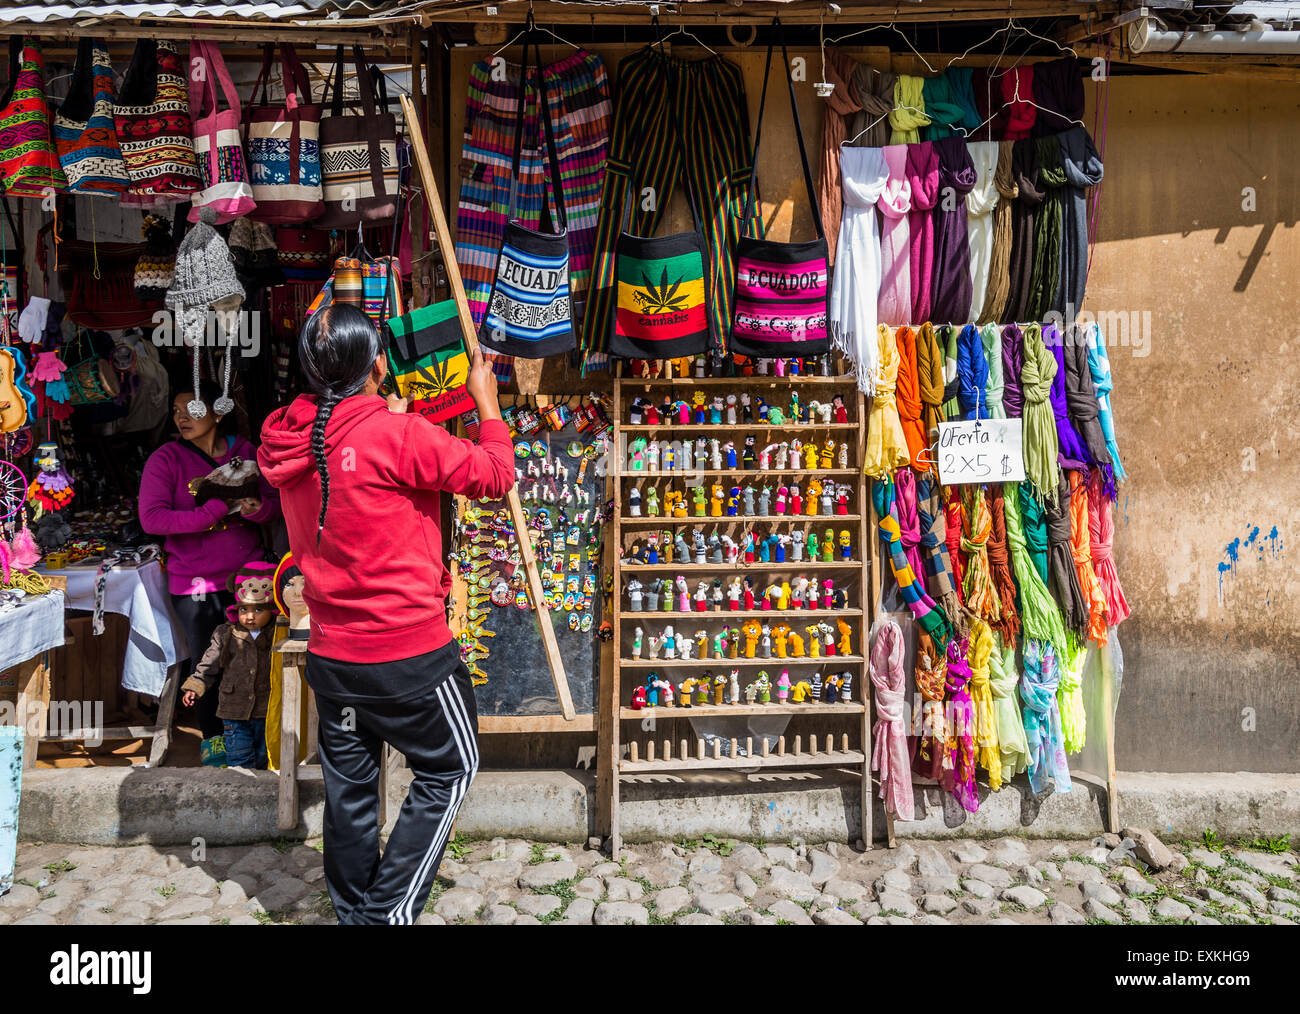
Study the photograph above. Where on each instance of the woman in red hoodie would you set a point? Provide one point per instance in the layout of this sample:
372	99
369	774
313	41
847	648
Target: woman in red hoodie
361	484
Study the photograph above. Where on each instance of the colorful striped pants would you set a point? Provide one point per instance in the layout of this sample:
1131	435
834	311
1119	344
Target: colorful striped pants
577	94
664	104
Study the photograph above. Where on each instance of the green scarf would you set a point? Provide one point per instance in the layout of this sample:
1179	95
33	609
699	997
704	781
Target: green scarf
1040	443
1003	682
1038	612
1035	523
1046	277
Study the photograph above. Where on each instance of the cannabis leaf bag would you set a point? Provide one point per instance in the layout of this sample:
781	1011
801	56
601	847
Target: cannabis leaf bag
429	362
661	308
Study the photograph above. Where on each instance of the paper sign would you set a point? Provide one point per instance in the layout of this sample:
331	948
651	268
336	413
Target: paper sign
980	451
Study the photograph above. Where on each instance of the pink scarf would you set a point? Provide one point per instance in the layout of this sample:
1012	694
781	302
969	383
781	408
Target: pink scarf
909	521
895	303
1101	532
923	175
958	775
1021	112
889	752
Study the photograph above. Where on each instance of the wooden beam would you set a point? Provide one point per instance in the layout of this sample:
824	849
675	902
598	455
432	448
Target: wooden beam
254	33
710	13
554	660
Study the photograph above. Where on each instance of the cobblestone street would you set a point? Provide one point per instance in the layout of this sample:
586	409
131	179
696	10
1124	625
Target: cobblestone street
508	881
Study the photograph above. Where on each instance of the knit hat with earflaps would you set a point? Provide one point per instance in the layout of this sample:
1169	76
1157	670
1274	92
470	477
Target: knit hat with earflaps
204	279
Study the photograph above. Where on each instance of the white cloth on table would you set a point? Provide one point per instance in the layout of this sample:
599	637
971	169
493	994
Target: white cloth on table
140	594
34	627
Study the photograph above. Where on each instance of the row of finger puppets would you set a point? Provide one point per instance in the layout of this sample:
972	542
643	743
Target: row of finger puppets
752	639
711	688
816	498
783	596
684	455
730	409
751	546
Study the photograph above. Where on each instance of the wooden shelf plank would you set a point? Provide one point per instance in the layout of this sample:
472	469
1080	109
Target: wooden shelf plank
817	710
769	381
837	758
761	568
697	520
755	428
705	473
825	661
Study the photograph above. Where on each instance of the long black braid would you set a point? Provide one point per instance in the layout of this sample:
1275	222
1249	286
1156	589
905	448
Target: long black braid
324	407
337	350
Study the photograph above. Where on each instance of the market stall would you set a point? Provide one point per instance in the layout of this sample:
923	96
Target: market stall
836	418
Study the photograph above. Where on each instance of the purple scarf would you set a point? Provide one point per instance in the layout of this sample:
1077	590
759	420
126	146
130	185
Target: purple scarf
950	285
1074	452
1013	361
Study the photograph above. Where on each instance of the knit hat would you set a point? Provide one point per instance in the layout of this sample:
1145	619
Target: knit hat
204	279
253	584
252	249
156	266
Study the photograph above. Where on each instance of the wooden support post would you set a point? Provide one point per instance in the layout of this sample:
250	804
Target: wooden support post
162	736
33	705
766	749
415	132
1108	709
287	802
650	750
632	752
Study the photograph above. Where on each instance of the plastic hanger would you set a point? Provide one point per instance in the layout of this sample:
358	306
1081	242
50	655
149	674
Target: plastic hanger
532	26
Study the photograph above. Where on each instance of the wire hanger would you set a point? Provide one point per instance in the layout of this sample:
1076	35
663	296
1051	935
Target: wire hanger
532	26
894	28
882	116
1016	98
680	30
1013	23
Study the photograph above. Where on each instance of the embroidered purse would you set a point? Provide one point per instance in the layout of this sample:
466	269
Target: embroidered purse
782	292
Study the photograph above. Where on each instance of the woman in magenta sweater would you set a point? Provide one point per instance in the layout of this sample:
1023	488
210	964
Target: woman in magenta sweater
205	544
362	485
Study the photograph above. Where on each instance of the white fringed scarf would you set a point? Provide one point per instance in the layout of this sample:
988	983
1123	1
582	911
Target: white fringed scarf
856	286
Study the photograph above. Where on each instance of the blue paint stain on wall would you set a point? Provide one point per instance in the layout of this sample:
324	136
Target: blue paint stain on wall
1232	551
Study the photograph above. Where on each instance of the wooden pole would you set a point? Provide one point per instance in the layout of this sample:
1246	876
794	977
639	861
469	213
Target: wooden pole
415	132
292	660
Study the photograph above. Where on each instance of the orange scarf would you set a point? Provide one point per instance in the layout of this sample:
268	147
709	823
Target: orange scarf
1081	550
907	394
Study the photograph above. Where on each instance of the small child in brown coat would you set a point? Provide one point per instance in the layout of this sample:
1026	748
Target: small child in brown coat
240	658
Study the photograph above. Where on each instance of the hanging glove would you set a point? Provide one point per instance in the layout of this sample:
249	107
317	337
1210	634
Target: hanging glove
48	367
57	390
31	322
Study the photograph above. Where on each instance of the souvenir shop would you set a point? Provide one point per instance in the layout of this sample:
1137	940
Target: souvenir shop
816	459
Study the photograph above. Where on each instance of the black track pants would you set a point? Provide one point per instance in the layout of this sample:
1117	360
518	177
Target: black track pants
438	735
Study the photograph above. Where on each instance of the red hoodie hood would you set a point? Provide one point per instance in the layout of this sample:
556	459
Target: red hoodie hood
285	454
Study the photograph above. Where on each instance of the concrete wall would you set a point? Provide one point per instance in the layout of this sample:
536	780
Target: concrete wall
1206	405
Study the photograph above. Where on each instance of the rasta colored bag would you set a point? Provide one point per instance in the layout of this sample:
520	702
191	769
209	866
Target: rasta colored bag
29	165
153	123
782	290
284	145
660	309
218	143
358	154
429	362
529	313
83	127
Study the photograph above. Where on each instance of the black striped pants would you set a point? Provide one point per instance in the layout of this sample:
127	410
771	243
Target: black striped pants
662	99
438	734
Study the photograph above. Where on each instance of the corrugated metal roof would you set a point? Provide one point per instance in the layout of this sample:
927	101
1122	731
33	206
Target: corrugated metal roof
268	10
